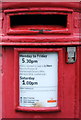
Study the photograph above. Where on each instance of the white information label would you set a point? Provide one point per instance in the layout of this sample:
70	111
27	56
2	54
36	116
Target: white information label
38	79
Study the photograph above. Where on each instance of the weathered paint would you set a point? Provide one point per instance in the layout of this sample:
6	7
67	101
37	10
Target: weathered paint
68	73
10	5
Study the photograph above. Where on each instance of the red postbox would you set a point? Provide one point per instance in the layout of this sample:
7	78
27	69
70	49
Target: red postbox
40	61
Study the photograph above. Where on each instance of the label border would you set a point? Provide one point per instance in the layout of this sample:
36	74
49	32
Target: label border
16	79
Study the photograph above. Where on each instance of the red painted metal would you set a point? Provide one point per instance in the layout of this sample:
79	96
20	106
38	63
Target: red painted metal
16	74
16	35
79	82
10	93
11	5
38	9
15	41
41	38
41	44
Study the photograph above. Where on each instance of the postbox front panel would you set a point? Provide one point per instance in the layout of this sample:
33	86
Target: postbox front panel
61	74
40	60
